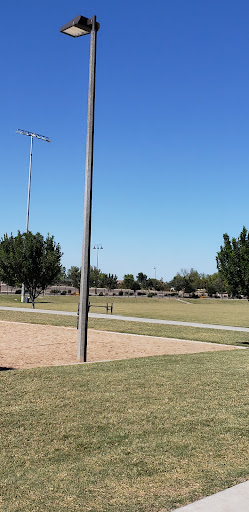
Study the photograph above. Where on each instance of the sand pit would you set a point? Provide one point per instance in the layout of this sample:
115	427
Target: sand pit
31	345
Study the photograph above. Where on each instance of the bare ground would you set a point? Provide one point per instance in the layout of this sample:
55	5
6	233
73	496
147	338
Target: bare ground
31	345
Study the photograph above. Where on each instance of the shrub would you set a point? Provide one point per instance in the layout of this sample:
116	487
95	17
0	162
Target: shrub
121	293
18	292
101	294
150	295
69	292
141	293
63	292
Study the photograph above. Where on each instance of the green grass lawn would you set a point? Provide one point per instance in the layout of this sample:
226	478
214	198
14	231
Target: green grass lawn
232	312
142	435
166	331
228	312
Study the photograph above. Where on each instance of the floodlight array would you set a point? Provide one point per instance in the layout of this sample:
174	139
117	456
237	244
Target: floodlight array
32	134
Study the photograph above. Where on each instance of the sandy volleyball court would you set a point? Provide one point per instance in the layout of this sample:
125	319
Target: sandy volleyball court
30	345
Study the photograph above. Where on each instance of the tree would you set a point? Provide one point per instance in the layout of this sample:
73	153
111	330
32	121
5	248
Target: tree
188	281
62	277
142	280
94	277
73	276
30	259
156	284
128	281
178	282
214	284
111	281
233	263
135	286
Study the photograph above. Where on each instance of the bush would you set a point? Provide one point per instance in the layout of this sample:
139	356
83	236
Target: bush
141	293
69	292
150	295
121	293
18	292
63	292
55	291
101	294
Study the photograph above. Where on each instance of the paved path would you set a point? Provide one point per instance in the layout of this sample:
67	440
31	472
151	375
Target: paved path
234	499
130	319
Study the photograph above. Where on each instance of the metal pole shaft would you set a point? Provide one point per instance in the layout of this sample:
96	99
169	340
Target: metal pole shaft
28	205
85	267
29	185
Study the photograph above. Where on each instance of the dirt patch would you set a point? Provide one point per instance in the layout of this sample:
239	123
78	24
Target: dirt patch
30	345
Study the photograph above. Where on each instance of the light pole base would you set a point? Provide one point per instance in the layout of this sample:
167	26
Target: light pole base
23	293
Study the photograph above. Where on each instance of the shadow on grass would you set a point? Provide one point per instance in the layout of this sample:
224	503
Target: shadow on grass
5	368
44	302
245	343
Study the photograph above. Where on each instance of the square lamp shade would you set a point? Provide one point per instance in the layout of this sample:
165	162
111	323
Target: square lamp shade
79	26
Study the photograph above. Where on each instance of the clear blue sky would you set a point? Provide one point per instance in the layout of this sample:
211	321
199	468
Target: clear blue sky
171	151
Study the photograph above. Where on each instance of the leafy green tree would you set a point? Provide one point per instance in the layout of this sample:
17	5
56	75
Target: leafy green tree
233	263
195	279
111	282
73	277
135	286
95	277
188	285
142	280
150	284
102	280
128	281
98	278
214	284
157	285
62	278
178	282
188	281
30	259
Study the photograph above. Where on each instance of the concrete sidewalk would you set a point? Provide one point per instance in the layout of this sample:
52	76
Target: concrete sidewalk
129	319
234	499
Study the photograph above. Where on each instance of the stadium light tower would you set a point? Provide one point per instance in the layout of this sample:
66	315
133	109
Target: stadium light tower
42	137
98	247
81	26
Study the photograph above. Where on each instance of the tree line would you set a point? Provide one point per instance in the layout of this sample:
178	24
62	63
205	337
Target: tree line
35	261
97	279
232	274
185	281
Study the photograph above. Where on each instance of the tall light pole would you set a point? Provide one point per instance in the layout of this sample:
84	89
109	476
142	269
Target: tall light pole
98	247
42	137
81	26
155	272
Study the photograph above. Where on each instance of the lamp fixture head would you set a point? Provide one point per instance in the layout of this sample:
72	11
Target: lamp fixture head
79	26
